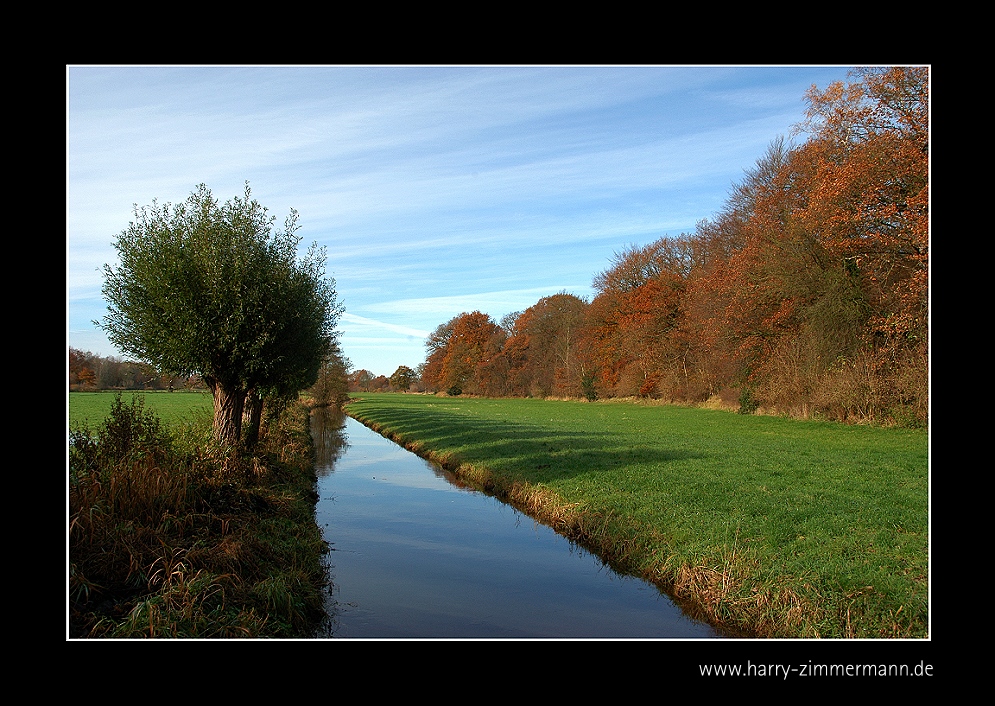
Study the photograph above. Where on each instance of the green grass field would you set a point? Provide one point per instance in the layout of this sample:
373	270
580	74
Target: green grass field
782	527
91	408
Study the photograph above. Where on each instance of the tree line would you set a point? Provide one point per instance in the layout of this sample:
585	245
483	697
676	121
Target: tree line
90	371
807	294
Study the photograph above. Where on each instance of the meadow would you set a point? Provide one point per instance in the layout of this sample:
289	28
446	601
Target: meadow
771	526
178	407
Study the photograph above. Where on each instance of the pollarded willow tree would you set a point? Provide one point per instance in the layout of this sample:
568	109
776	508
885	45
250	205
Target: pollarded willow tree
212	289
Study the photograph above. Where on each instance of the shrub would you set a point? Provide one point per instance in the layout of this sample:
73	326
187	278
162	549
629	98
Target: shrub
587	383
129	433
747	403
185	543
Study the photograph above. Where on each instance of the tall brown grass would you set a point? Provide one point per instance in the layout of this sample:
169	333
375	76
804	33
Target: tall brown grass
168	538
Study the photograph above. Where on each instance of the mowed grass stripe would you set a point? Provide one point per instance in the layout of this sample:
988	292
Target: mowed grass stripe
778	527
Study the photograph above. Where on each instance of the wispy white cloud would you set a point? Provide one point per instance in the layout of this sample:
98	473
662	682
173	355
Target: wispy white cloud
506	300
481	187
363	321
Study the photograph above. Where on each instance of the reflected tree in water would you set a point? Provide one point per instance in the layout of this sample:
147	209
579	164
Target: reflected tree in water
328	432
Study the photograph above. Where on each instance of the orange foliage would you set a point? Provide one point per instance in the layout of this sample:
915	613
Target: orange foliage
809	290
544	353
458	349
866	173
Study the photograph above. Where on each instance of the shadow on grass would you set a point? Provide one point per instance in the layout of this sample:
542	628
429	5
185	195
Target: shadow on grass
520	450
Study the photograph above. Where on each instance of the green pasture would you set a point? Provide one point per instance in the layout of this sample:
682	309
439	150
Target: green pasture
779	526
91	408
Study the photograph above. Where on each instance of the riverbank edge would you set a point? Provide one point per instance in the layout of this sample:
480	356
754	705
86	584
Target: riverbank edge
259	509
702	592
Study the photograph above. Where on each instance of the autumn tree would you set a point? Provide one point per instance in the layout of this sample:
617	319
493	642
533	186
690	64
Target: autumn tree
471	345
812	292
490	375
82	369
704	349
435	347
360	380
831	296
211	289
637	306
867	169
403	378
457	348
807	293
543	351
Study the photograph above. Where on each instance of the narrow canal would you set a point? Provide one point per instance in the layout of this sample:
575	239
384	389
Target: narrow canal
414	555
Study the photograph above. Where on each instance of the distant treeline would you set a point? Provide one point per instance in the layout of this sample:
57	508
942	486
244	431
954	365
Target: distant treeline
806	295
88	371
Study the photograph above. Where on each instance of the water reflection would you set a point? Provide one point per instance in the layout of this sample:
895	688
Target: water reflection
330	442
416	556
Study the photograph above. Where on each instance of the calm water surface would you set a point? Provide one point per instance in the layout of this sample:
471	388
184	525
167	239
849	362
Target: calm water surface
416	556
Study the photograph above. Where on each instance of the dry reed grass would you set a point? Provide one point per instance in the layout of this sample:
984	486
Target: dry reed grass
185	544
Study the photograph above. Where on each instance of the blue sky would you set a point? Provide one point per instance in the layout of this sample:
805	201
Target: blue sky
434	189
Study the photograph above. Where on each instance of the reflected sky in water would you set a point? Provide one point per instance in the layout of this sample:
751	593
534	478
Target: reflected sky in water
415	556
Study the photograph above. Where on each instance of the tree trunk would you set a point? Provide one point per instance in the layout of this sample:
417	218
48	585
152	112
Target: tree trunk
228	406
253	417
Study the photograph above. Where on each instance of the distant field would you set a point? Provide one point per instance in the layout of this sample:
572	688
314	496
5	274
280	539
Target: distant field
91	408
794	528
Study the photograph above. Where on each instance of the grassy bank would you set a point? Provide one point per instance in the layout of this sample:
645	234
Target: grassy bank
169	539
777	527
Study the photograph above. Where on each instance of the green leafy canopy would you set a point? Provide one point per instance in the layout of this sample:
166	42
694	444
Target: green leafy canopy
209	288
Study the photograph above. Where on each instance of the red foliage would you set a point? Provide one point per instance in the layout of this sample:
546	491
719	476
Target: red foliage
819	259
